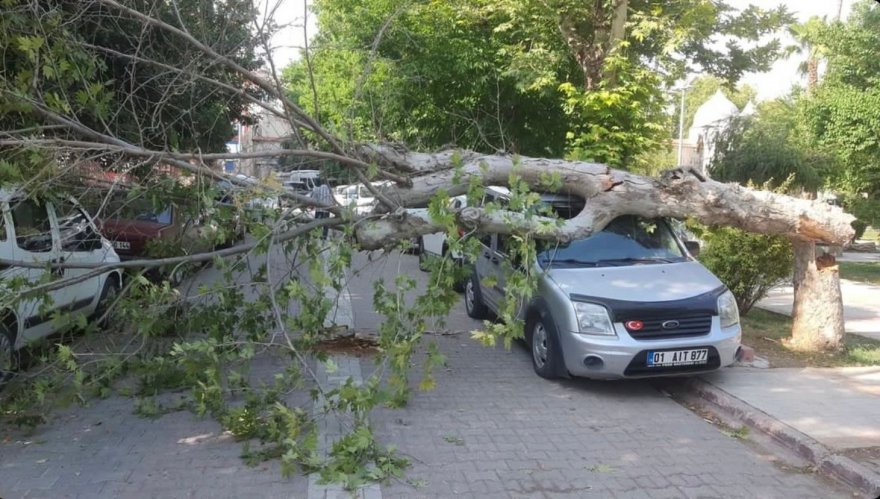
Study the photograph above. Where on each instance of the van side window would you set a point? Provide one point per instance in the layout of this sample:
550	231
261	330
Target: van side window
32	229
2	225
486	239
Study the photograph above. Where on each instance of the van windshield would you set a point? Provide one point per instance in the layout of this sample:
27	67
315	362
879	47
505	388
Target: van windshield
628	240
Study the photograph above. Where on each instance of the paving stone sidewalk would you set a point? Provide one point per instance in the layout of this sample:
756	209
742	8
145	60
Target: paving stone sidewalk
494	429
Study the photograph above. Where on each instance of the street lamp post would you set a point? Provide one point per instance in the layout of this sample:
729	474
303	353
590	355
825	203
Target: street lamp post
681	126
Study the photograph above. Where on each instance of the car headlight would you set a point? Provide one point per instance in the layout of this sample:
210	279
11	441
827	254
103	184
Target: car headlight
593	319
728	312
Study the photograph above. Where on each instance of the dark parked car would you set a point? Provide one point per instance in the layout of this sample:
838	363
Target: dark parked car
137	228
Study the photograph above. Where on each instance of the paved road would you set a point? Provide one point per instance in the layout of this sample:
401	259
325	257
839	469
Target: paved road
491	429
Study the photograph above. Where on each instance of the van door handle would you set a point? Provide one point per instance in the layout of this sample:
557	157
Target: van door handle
495	259
486	254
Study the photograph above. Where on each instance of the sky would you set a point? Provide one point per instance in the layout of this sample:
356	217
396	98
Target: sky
775	83
779	80
289	40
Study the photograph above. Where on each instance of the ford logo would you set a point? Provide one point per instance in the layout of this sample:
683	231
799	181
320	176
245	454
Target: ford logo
669	325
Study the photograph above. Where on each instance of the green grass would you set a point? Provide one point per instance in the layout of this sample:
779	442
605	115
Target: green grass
871	234
766	332
860	271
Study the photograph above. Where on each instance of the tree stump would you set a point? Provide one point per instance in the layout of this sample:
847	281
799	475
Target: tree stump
818	304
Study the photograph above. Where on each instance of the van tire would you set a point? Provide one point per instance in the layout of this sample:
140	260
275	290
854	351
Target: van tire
8	354
542	341
473	299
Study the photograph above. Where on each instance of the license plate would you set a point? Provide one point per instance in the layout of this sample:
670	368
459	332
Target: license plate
671	358
123	245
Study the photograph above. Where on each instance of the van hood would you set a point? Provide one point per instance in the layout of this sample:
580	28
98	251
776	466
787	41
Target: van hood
649	283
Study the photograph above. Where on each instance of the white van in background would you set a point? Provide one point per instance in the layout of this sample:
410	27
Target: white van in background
301	182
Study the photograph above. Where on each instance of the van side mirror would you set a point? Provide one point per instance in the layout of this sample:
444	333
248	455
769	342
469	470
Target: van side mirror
693	248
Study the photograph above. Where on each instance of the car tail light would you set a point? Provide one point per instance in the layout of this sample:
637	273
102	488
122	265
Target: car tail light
634	325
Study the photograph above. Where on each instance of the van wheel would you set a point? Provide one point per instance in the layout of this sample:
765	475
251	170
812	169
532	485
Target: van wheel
544	345
8	355
473	301
108	297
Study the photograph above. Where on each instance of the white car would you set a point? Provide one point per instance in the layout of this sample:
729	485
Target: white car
44	233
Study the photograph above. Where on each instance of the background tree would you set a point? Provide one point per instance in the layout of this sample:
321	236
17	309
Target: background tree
536	78
840	117
764	148
808	36
85	57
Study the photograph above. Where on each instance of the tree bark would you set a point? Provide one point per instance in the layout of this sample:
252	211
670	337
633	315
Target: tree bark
618	22
618	32
812	73
818	305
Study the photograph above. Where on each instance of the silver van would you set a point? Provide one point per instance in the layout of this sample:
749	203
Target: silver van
628	302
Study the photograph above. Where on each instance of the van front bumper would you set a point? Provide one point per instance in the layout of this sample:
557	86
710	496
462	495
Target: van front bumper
603	357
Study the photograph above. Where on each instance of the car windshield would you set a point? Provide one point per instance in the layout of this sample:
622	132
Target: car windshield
628	240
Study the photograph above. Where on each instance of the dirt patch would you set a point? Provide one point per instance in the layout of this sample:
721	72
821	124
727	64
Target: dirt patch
352	344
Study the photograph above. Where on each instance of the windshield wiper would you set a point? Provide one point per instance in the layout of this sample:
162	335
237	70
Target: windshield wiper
569	261
613	261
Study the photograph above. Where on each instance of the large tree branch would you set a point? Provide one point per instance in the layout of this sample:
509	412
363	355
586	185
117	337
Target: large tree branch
608	193
138	151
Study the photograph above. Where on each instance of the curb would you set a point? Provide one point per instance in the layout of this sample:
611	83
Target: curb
837	466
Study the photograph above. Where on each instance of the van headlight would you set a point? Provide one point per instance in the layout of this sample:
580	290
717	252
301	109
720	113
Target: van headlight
728	312
593	319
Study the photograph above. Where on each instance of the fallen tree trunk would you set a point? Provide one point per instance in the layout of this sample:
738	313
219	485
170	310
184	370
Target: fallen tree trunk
608	193
679	193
